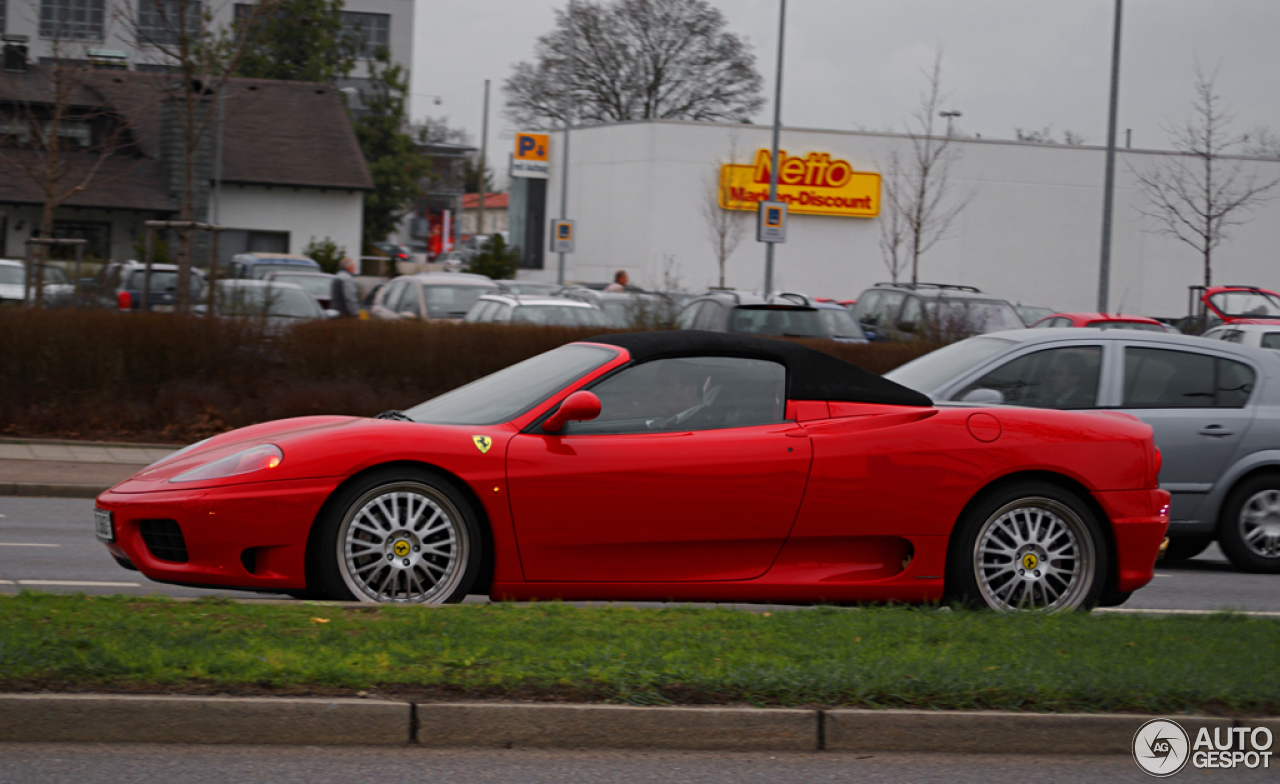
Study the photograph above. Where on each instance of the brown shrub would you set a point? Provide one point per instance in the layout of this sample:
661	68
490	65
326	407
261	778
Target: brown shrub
97	374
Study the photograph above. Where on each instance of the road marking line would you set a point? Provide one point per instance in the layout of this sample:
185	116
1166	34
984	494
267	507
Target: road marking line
6	582
26	544
1257	613
81	583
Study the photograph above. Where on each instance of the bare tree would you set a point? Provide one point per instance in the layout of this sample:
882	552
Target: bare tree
725	228
917	190
1262	142
65	135
1197	196
200	59
1045	136
638	59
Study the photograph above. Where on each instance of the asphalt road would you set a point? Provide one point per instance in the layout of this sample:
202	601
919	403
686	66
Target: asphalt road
99	764
47	544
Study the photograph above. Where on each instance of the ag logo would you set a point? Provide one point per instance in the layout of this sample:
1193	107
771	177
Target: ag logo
401	548
1029	561
482	443
1160	747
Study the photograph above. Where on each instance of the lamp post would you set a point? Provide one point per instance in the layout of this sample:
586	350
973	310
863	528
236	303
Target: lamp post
773	157
1109	187
568	120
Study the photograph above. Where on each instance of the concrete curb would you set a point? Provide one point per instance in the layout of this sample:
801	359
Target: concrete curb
98	718
37	489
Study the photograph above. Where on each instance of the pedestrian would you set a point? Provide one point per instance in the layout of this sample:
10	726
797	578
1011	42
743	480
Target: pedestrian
344	293
619	283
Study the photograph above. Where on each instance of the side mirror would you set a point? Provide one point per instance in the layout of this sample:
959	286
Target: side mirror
578	407
983	395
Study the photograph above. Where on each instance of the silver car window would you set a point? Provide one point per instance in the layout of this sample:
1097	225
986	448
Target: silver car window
1163	378
1063	378
1271	340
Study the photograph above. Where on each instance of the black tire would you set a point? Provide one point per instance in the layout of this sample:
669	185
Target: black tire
1249	526
1043	548
399	535
1184	548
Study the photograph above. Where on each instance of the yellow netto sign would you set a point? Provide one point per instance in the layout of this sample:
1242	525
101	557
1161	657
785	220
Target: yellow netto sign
812	185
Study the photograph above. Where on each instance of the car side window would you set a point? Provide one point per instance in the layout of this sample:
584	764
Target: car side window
887	310
708	316
409	301
1053	378
689	315
1164	378
912	314
1271	340
865	310
392	296
691	393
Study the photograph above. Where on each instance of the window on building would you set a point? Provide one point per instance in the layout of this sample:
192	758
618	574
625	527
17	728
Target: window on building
15	130
98	234
79	20
160	21
370	32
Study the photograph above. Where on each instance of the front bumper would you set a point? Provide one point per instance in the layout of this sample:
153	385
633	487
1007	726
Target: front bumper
1139	522
250	536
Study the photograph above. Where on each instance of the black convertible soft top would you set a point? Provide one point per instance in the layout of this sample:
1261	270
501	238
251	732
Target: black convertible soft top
811	374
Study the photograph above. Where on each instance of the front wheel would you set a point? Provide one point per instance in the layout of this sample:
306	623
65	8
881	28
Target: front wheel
1249	531
1030	546
404	536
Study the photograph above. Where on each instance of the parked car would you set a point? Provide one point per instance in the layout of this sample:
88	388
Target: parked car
257	265
317	284
1238	305
1102	321
120	285
938	311
397	253
626	308
532	288
660	466
1030	314
1212	405
13	275
431	295
542	311
280	303
1255	335
779	315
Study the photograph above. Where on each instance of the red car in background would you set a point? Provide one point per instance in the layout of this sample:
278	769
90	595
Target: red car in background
1238	305
1102	321
661	466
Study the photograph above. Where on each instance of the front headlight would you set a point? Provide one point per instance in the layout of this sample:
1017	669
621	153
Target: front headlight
257	458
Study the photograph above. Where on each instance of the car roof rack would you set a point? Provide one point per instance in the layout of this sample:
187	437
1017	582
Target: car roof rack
944	286
795	296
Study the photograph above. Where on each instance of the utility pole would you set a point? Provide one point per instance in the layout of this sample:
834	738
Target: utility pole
950	116
1109	187
773	165
568	120
484	146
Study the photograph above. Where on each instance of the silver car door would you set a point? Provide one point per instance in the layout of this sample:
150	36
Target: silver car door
1197	403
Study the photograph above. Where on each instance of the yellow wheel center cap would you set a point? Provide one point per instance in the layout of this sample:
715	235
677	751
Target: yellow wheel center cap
401	548
1029	561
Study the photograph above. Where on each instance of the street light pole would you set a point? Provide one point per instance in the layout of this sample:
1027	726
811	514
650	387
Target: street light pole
773	159
484	148
1109	187
568	120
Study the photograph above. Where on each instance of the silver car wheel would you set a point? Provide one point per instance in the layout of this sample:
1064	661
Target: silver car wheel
1260	523
1034	553
403	542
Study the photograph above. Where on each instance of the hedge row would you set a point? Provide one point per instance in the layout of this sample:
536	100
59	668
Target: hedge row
153	377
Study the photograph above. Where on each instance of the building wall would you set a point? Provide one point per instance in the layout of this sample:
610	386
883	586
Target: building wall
127	228
494	220
1031	231
304	213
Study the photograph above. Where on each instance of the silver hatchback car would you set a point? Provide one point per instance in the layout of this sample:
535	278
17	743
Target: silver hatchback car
1214	407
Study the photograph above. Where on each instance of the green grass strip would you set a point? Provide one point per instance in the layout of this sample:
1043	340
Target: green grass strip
874	656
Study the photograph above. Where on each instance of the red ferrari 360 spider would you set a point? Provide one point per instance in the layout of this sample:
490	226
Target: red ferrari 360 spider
686	466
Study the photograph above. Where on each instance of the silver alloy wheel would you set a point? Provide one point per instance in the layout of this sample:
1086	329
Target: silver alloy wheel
1260	523
1034	553
403	542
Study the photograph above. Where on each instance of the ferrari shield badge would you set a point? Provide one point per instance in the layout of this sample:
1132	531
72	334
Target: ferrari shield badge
482	443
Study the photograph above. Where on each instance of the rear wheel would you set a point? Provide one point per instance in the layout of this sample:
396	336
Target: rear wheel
1029	546
1184	548
401	535
1249	530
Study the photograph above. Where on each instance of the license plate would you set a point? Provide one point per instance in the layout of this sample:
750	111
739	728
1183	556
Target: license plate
103	527
161	308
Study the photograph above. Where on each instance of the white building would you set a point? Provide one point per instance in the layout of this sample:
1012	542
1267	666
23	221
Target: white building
1031	231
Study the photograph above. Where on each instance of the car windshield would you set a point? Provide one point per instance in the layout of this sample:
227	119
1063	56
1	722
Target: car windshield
161	280
259	271
273	301
774	320
1141	326
315	285
840	323
938	367
1246	304
973	316
560	316
12	275
444	301
512	391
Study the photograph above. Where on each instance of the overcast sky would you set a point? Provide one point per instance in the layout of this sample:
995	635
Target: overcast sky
857	64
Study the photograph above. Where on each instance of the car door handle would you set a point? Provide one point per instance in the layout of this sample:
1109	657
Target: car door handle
1216	430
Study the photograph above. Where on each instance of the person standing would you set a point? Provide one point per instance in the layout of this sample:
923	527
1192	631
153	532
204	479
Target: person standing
344	293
